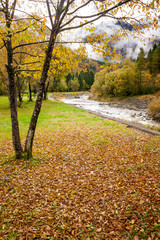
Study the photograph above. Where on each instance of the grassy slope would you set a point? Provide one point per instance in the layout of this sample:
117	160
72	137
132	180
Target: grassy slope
90	179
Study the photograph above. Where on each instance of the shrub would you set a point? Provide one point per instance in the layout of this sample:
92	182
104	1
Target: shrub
125	81
121	82
157	82
109	85
96	88
148	85
154	108
75	84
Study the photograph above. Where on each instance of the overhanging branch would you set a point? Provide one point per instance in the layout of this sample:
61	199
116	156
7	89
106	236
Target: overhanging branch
93	16
27	70
58	42
30	63
27	44
32	55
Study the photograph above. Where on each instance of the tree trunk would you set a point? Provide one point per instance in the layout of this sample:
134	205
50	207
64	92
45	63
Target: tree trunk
30	92
19	88
45	92
13	101
37	108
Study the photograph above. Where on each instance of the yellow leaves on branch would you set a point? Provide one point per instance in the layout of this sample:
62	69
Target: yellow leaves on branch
65	60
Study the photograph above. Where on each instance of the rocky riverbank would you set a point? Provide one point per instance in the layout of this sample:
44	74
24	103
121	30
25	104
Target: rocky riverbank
132	103
128	111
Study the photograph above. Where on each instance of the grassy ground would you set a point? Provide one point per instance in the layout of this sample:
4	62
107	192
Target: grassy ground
90	178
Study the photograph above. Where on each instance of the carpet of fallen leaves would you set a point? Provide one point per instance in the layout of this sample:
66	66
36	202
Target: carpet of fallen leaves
88	182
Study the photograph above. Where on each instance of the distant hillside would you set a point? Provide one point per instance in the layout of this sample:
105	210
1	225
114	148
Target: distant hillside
127	47
92	64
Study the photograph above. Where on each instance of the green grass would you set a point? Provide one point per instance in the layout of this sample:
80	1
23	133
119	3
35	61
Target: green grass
85	162
55	115
52	114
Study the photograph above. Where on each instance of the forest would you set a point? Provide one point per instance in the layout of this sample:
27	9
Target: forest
138	77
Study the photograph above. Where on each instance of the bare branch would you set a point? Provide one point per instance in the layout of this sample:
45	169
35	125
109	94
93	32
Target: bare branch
53	5
80	7
50	15
2	46
94	16
15	61
22	30
21	64
27	18
33	17
32	55
30	63
27	70
59	12
81	25
65	11
58	42
28	44
13	8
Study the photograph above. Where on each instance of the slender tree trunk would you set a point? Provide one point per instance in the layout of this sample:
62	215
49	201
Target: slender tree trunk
13	101
19	88
11	82
45	92
30	92
33	123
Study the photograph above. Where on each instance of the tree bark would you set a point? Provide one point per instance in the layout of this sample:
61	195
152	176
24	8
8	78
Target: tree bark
38	104
19	88
12	86
30	92
13	101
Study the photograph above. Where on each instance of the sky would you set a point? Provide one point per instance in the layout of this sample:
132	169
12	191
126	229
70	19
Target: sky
108	26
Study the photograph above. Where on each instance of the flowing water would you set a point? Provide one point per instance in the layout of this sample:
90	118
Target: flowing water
111	110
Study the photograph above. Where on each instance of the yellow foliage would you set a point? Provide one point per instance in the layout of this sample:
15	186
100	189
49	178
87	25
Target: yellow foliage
154	108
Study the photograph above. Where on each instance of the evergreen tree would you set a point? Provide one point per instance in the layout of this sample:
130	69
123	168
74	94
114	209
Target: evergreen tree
149	60
80	79
69	77
141	62
156	61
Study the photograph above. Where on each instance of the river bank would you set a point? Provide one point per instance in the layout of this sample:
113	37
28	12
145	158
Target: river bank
132	103
130	111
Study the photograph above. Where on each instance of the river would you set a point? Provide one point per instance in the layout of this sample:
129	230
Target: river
139	116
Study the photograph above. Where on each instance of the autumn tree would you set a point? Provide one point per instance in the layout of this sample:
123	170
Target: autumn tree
155	60
65	61
64	15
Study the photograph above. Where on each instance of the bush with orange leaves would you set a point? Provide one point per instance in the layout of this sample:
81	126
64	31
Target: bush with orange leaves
154	108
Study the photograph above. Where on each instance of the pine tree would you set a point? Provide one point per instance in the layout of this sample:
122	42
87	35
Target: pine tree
141	65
